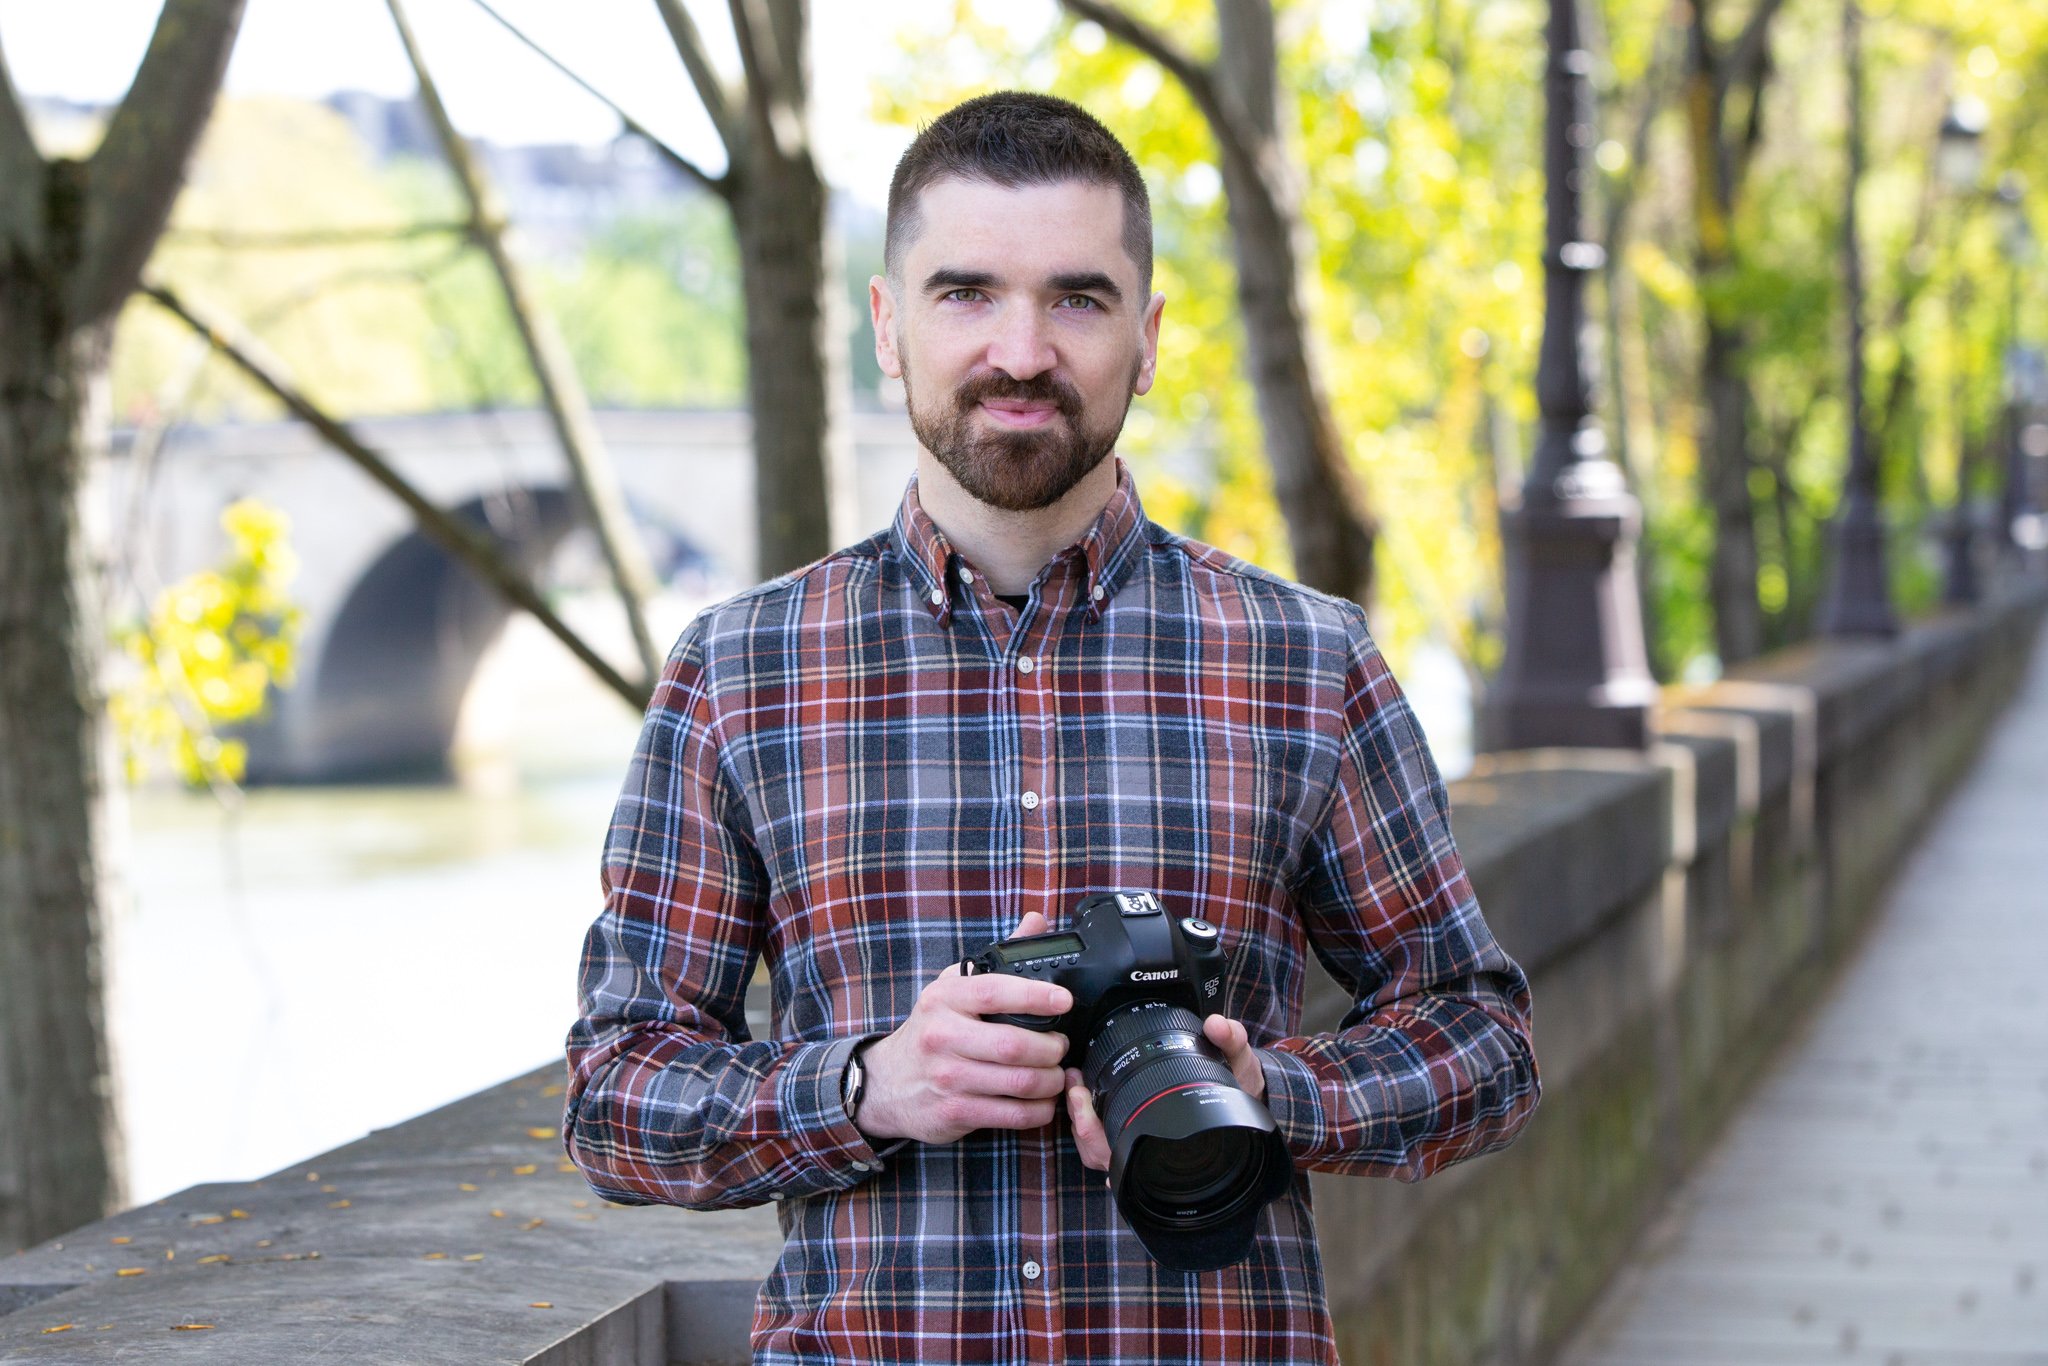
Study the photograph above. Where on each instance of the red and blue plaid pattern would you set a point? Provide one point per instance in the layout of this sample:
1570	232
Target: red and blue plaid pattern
865	771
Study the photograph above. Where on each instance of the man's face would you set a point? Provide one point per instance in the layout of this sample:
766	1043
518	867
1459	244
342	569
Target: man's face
1020	332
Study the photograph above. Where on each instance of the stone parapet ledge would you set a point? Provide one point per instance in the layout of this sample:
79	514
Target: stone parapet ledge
457	1238
1668	906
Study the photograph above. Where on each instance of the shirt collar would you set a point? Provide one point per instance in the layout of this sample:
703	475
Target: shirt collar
1106	552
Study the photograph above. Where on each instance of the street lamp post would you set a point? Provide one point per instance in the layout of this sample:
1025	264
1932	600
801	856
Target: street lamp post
1858	601
2014	504
1959	160
1576	672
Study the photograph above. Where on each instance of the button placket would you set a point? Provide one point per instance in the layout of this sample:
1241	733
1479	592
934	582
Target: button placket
1034	728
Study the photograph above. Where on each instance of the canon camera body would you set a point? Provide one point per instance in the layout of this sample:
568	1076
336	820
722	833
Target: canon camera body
1193	1156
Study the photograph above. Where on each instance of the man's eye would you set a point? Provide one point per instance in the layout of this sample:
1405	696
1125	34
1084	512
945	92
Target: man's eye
1080	301
965	294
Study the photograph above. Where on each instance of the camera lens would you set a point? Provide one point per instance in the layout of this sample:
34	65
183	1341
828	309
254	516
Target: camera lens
1193	1157
1194	1169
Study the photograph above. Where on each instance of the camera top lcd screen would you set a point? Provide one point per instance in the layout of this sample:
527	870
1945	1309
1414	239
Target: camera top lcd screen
1039	946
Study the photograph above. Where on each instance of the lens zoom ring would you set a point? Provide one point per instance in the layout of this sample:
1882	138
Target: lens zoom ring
1150	1079
1131	1023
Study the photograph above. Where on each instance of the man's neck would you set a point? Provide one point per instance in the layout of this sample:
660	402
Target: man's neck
1009	548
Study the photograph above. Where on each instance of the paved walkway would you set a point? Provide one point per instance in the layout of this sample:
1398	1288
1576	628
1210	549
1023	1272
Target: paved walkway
1883	1197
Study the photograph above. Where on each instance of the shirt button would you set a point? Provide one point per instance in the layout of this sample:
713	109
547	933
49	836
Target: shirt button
863	1166
1030	800
938	597
966	574
774	1195
1032	1271
1096	593
1026	664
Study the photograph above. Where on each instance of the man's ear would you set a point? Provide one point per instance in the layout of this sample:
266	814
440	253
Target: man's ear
1148	360
882	313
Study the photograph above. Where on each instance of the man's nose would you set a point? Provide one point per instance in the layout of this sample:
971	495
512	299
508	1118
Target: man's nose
1021	347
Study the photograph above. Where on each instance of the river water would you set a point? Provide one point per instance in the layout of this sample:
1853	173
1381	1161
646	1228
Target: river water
315	963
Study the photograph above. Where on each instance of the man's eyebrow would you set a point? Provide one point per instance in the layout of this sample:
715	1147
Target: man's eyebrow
1066	282
947	278
1086	282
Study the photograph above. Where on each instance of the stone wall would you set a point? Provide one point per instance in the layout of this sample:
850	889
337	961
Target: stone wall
1678	912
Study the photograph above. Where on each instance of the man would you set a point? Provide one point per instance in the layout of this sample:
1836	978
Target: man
1021	693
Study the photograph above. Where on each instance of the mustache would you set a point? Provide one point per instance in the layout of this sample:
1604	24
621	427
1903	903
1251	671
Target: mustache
1045	388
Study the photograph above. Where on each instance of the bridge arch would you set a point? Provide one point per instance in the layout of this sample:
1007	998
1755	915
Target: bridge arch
382	683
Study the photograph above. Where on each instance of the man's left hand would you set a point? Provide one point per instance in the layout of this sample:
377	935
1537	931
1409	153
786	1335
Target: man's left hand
1227	1034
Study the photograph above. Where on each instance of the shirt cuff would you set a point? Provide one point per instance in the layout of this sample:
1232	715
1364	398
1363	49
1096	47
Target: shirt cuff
1295	1100
813	1096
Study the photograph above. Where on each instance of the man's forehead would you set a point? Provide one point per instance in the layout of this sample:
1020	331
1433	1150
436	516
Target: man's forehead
1064	225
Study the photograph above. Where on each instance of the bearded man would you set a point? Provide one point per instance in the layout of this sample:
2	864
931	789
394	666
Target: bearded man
1022	693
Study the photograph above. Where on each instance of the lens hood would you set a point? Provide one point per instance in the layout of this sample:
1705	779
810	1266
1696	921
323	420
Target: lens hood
1193	1156
1212	1234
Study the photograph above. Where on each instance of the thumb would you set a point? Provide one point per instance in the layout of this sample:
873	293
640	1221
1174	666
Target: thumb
1032	923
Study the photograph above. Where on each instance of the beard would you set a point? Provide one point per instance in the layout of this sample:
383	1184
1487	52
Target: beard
1017	471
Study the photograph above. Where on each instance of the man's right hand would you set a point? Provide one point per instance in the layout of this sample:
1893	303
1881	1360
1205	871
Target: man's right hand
947	1072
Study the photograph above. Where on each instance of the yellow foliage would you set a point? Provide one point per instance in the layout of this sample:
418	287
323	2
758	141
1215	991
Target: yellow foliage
213	646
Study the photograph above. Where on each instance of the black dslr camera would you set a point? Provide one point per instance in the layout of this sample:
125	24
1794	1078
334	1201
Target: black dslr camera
1193	1157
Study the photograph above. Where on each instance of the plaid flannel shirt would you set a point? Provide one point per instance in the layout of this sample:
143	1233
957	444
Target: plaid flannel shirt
865	771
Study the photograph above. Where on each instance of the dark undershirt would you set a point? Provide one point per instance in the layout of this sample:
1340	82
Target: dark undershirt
1016	600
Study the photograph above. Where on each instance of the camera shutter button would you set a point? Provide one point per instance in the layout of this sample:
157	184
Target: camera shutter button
1196	928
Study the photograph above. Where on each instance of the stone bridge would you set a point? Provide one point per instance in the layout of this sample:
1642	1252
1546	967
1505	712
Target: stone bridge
394	627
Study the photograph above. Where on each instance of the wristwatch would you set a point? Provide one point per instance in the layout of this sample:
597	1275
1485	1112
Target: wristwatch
853	1083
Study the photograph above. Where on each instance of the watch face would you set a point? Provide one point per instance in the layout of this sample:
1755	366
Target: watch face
850	1088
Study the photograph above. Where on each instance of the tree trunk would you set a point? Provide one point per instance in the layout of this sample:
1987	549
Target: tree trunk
73	237
1329	521
59	1149
1724	477
797	368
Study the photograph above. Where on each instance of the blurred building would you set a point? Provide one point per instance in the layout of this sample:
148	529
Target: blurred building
560	194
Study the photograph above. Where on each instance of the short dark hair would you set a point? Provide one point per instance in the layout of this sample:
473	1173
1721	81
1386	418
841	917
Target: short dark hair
1014	138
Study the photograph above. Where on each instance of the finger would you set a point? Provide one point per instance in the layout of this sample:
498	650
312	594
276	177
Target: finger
1089	1139
1234	1041
996	993
1032	923
966	1077
1227	1034
1007	1045
965	1114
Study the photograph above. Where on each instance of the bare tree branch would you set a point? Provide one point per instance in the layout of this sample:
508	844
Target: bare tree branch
560	389
682	30
786	25
462	541
1745	61
1198	80
757	66
1667	65
231	239
21	171
774	32
1248	62
133	178
276	310
716	184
